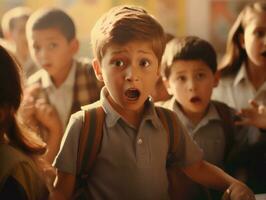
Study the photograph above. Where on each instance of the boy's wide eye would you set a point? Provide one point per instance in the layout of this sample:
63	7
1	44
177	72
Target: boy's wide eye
118	63
144	63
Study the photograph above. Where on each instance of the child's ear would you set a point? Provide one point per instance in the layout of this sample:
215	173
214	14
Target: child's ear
167	86
74	44
97	69
217	76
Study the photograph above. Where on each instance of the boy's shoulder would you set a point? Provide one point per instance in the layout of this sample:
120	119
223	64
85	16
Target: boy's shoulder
222	107
96	104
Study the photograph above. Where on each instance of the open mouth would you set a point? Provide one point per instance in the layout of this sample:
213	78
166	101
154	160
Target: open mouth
132	94
195	100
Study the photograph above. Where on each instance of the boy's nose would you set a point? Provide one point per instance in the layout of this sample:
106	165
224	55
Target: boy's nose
191	85
131	74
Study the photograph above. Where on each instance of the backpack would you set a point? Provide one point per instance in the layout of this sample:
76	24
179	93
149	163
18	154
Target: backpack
90	142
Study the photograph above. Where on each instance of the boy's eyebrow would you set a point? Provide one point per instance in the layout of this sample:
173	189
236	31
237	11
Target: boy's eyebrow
180	72
125	51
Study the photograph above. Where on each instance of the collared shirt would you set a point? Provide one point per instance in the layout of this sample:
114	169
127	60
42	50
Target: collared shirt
237	91
62	97
209	133
131	163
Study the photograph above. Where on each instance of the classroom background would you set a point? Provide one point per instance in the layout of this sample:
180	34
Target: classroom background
208	19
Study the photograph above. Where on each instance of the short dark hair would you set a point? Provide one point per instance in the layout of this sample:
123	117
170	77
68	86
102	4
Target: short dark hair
52	18
188	48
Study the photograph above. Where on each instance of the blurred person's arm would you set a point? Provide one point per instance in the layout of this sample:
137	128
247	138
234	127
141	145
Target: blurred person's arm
49	118
27	107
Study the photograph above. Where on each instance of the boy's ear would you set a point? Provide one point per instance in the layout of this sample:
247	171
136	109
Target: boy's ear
167	86
217	77
74	44
97	69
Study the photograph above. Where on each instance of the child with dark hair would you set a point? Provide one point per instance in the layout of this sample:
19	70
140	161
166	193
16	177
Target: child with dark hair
63	84
22	170
189	73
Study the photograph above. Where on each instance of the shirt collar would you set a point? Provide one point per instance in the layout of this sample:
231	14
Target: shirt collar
69	82
112	116
211	114
241	75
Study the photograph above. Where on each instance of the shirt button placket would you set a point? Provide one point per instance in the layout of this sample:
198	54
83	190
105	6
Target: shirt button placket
139	141
141	152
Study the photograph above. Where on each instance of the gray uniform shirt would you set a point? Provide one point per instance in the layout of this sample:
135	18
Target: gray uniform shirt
131	163
209	133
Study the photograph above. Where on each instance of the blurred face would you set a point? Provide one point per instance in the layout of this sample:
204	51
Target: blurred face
191	82
254	39
129	72
52	51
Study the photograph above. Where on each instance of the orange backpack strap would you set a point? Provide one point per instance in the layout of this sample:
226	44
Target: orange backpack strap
90	140
167	118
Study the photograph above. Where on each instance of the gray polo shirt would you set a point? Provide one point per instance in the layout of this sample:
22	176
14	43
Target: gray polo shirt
209	133
131	163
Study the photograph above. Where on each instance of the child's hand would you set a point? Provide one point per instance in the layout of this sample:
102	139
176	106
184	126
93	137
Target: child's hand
27	107
238	191
256	115
47	115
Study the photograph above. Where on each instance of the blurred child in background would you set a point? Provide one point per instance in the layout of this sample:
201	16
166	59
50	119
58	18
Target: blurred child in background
14	32
243	67
63	84
189	71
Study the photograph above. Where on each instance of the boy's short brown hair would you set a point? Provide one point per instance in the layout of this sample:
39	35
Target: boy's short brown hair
188	48
123	24
52	18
